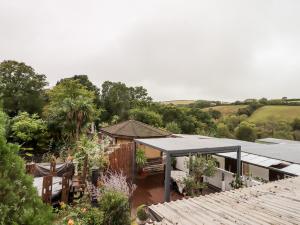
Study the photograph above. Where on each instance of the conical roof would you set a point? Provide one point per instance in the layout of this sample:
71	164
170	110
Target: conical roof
134	129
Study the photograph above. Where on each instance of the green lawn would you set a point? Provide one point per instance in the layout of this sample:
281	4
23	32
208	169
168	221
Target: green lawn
279	113
226	109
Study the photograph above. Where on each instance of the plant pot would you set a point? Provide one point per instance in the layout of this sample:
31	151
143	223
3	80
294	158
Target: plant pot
141	222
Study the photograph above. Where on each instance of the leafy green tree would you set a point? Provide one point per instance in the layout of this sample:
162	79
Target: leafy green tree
146	116
71	108
173	127
246	131
118	99
215	113
223	131
29	131
296	124
21	88
19	202
84	81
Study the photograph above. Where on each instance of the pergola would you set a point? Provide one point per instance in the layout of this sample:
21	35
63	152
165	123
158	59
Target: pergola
175	147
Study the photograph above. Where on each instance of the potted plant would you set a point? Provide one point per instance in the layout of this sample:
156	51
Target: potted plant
140	159
141	215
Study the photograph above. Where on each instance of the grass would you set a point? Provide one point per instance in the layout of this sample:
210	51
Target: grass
179	102
227	110
279	113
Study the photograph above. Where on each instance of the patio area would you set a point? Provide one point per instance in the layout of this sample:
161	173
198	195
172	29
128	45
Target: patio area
150	190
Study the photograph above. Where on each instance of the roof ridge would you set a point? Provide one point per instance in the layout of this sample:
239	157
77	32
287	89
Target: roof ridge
155	129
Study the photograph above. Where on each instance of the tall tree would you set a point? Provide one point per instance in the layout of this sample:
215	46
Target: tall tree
19	202
117	99
21	88
84	80
71	107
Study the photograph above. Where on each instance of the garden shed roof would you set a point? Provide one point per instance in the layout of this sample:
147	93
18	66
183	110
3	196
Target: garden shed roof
134	129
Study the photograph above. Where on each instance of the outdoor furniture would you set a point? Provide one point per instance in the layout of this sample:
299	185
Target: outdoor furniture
79	182
47	189
65	188
30	168
53	167
43	169
178	177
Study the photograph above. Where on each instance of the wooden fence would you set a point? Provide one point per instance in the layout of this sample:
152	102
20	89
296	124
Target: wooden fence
121	159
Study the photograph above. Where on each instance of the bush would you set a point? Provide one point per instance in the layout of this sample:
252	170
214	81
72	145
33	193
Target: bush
19	202
246	132
82	214
141	213
115	207
173	127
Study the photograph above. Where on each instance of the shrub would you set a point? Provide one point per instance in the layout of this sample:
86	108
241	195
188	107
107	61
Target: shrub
140	158
115	207
141	213
19	202
246	131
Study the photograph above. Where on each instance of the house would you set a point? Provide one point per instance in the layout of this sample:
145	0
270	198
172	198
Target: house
267	160
127	131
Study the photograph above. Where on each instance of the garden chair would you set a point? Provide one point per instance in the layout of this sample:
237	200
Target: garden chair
47	189
66	187
30	168
53	167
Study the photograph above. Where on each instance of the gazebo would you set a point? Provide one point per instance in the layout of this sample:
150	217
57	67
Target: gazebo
176	147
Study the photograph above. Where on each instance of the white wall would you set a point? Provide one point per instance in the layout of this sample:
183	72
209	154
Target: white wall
256	171
216	180
221	161
182	163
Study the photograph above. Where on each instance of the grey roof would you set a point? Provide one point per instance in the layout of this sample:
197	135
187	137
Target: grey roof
134	129
292	169
186	145
253	159
272	203
285	152
277	141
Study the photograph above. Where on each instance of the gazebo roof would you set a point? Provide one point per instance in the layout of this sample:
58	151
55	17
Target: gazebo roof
134	129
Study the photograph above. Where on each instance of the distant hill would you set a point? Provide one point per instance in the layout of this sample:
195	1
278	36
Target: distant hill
279	113
226	109
179	102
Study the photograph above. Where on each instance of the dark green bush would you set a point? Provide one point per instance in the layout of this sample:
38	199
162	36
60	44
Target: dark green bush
115	207
141	213
19	202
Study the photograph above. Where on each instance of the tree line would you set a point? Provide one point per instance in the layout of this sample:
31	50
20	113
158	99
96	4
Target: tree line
51	119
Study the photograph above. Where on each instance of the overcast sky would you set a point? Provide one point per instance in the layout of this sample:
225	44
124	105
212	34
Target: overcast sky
223	50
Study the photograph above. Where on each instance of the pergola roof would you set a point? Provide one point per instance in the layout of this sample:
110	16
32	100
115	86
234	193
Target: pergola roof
177	146
134	129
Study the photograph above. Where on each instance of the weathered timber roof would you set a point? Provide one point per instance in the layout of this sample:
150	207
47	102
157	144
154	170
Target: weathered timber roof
134	129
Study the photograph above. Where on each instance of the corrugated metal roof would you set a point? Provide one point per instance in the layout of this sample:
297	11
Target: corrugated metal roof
292	169
253	159
272	203
277	141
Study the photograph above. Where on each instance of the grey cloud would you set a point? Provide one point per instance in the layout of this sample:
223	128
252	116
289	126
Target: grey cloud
224	50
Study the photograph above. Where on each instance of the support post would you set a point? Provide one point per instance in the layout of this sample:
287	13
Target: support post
133	162
238	166
167	178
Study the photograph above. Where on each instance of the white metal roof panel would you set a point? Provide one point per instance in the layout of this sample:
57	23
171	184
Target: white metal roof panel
292	169
272	203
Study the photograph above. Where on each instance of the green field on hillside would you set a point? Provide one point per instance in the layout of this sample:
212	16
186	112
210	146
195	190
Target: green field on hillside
279	113
179	102
226	109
